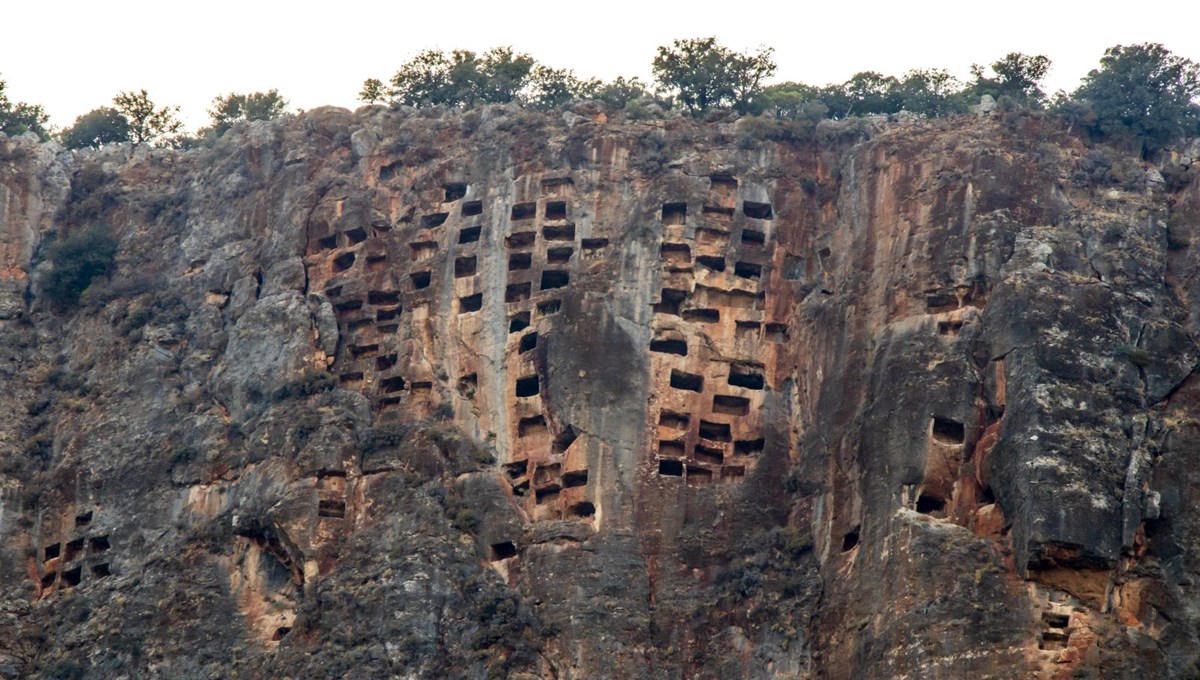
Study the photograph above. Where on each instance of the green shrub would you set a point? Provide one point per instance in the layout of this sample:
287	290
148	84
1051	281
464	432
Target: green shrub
388	436
96	128
461	517
19	118
1143	94
77	261
311	382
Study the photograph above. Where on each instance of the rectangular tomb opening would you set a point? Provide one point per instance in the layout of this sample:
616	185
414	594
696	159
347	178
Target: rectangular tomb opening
72	577
709	454
717	432
682	380
434	220
699	476
518	322
503	551
520	240
455	191
528	342
524	211
520	261
470	303
527	386
333	509
669	346
673	420
757	211
559	255
670	468
74	549
464	267
469	235
731	405
421	280
674	213
565	232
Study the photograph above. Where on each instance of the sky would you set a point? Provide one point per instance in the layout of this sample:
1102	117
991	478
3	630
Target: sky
72	56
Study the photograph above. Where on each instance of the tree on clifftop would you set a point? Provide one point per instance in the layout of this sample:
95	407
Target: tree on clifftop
96	128
147	122
461	78
1017	77
373	91
19	118
1145	94
931	92
233	107
703	75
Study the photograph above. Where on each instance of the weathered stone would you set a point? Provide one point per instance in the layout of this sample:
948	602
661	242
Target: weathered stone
400	393
986	106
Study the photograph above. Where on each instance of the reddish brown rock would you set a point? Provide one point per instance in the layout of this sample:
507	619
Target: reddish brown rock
501	393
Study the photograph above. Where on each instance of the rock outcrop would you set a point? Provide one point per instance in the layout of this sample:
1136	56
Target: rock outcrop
511	394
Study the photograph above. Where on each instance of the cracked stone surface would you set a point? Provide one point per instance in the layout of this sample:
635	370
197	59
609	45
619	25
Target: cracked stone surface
398	393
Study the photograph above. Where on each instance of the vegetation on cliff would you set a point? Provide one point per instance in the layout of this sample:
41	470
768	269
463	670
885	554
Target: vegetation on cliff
19	117
78	260
1141	96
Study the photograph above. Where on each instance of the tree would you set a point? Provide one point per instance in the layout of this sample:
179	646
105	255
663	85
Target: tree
19	118
428	78
550	88
865	93
234	107
147	123
373	91
462	78
702	74
931	92
1145	94
96	128
619	92
746	75
1017	77
502	75
794	101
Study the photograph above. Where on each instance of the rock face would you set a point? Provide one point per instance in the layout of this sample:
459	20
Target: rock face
509	394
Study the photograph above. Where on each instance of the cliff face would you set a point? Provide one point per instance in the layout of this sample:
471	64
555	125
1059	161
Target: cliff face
505	394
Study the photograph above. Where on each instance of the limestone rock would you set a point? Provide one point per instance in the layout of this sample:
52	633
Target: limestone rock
501	393
985	107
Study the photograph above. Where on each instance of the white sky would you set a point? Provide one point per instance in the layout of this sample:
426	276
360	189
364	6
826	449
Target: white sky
73	55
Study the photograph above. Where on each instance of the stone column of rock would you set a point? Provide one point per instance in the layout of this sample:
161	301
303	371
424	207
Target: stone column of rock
33	185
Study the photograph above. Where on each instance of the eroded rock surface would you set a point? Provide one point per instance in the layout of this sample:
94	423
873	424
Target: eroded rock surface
511	394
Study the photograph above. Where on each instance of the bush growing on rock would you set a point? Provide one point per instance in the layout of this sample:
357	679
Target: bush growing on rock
1143	94
234	107
96	128
77	260
309	383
